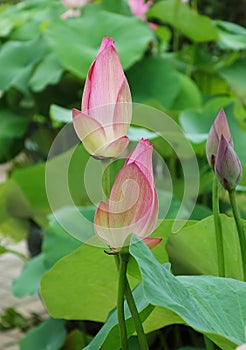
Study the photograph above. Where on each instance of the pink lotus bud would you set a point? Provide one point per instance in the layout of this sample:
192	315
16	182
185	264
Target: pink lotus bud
71	13
74	4
241	347
219	127
106	109
139	7
133	202
73	8
227	165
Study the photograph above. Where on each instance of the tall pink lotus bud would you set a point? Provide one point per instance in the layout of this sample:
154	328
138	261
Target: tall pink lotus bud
133	202
219	127
106	110
227	165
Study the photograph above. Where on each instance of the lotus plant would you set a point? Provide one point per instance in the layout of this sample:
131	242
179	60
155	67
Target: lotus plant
133	202
106	108
228	170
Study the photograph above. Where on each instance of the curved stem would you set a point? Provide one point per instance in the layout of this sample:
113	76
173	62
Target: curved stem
241	235
134	311
218	228
136	319
120	302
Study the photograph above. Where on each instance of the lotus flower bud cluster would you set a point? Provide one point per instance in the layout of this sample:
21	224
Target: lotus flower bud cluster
133	202
102	125
221	154
106	109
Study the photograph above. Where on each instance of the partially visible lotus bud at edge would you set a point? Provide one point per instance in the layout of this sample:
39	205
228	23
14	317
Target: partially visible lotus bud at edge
241	347
133	202
73	7
227	165
219	127
106	109
139	9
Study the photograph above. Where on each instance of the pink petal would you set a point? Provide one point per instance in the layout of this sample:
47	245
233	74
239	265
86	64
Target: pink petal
219	127
152	242
139	7
142	156
114	148
113	237
131	200
101	225
123	111
90	132
227	165
106	42
104	81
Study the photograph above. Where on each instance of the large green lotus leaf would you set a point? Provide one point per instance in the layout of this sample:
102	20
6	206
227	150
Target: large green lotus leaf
154	80
189	95
196	27
231	36
234	76
50	334
89	266
14	209
18	59
65	170
87	278
153	318
23	22
13	129
76	42
60	114
192	250
27	283
48	72
211	305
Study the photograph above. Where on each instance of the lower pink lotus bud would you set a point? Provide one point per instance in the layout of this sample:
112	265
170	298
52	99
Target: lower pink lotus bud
227	165
133	202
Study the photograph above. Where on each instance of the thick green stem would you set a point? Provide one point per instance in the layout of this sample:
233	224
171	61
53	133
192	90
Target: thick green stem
106	178
208	343
218	228
120	302
136	319
241	235
134	312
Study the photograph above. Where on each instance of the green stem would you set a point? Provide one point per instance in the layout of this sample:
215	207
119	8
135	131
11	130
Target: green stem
218	228
120	303
136	319
106	178
134	311
241	235
208	343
